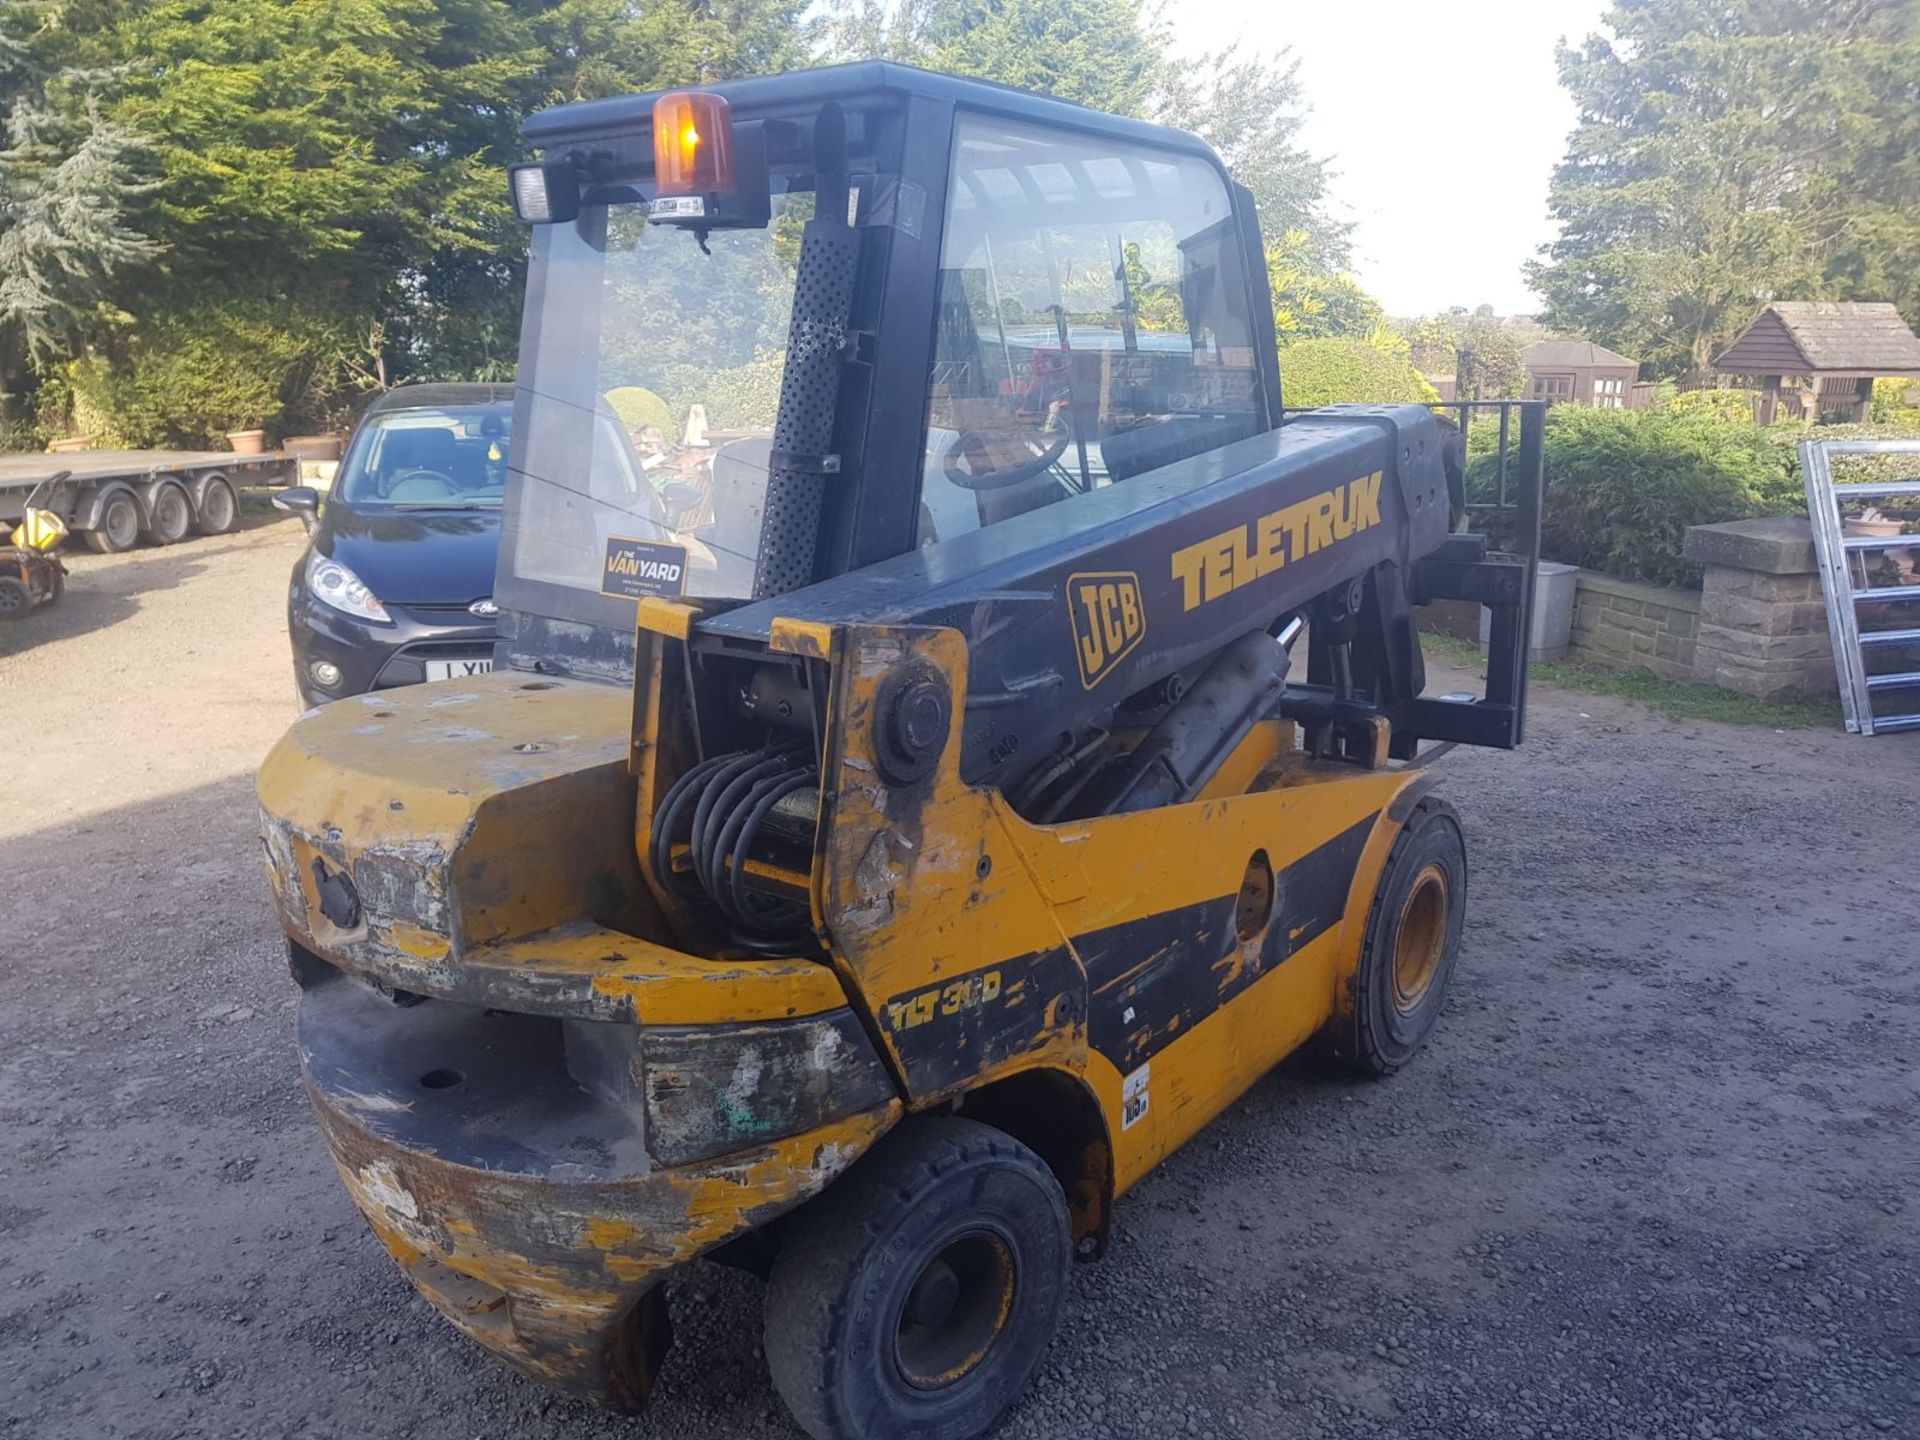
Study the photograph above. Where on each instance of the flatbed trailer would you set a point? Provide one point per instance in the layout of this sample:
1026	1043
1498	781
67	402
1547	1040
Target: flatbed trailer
112	499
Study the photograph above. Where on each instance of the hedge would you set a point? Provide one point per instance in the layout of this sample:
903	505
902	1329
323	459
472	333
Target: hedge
1624	485
1326	372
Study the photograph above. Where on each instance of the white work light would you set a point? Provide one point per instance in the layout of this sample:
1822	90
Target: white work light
530	194
547	192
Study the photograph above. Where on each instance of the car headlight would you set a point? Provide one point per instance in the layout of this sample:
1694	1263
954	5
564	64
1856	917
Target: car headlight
332	583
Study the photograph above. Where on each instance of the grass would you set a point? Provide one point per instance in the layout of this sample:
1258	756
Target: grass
1676	702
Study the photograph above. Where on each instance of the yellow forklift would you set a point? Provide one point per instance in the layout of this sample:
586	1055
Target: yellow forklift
865	864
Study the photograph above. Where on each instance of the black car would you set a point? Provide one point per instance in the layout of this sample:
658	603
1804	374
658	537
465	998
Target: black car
396	586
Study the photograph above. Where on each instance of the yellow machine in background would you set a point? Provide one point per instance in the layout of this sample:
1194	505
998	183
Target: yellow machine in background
31	574
948	841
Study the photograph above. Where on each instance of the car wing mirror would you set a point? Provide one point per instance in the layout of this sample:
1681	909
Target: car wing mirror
301	500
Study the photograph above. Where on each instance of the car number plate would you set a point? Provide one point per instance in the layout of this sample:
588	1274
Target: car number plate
457	669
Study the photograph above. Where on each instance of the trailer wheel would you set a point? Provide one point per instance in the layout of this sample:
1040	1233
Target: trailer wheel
119	527
1412	942
15	601
169	515
218	509
917	1296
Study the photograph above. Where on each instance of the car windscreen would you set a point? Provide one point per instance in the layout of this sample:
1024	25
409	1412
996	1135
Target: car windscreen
439	457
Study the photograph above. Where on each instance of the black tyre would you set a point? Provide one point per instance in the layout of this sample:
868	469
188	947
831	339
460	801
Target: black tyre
218	509
917	1296
15	602
119	527
169	515
1412	942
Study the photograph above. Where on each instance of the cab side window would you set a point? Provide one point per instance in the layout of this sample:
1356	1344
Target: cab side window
1093	323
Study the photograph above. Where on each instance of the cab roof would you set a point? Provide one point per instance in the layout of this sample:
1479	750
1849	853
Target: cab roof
859	82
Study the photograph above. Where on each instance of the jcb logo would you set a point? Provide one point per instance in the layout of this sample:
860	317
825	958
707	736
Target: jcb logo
1108	620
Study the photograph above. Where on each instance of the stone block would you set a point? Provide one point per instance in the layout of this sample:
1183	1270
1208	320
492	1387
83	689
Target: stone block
1592	583
1775	545
1761	684
1743	612
1797	647
1611	640
1806	619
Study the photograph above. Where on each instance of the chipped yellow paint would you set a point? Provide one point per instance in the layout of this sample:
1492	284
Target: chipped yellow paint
809	639
416	941
667	617
606	1241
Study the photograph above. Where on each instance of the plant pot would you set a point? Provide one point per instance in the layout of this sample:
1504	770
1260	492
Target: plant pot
1873	529
316	449
248	442
68	445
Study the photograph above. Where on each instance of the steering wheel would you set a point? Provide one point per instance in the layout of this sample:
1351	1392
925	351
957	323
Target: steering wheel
422	484
1041	454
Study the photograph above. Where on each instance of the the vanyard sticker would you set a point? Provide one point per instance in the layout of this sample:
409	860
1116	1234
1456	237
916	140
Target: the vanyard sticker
638	568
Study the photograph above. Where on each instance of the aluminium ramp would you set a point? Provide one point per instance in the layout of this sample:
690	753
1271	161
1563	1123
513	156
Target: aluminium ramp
1878	667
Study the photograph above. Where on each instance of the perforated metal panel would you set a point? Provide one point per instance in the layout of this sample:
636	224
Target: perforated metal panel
809	397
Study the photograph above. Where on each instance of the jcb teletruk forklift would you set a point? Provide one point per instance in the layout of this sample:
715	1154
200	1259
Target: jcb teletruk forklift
894	823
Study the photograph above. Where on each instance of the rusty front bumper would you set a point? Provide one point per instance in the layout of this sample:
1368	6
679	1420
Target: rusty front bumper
525	1204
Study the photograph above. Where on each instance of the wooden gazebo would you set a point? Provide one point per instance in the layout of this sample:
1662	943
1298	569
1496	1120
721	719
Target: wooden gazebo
1836	348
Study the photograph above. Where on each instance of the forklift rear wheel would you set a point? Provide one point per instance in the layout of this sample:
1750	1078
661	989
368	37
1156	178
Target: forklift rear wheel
15	602
119	525
169	516
917	1296
218	510
1412	941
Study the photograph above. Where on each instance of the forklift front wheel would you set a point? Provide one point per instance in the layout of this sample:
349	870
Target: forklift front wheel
1412	940
917	1296
14	599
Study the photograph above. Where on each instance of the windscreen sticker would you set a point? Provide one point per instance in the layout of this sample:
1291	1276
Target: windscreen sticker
635	569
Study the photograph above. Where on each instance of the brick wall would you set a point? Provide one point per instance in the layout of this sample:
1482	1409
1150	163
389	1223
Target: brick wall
1622	625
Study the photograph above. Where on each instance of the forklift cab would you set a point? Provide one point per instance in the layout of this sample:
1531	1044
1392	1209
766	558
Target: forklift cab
1007	300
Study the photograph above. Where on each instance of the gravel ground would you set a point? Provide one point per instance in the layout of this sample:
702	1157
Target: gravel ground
1655	1176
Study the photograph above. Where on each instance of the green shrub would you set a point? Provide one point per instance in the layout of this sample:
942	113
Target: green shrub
1728	405
16	436
638	407
193	371
745	397
1894	403
1624	485
1329	371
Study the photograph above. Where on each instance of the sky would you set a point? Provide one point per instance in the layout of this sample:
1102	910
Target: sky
1403	92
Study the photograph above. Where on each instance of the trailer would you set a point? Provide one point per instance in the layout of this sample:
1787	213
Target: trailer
112	499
